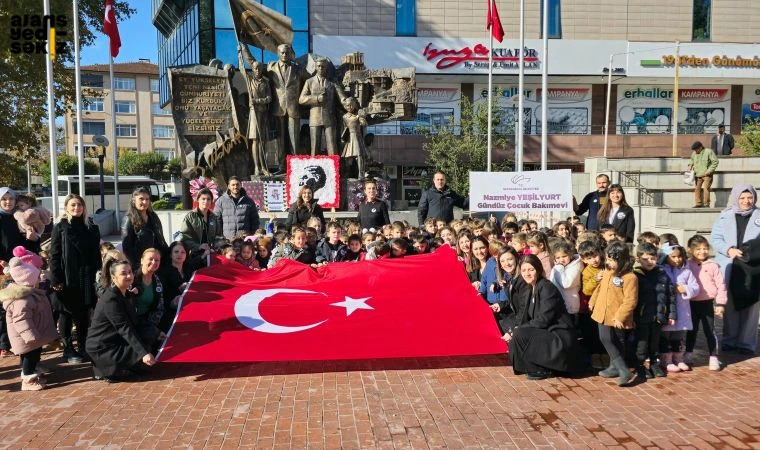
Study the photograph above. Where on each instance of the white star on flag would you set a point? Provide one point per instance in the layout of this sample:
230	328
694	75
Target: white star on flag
352	304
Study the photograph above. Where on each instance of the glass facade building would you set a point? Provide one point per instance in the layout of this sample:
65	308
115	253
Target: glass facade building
195	31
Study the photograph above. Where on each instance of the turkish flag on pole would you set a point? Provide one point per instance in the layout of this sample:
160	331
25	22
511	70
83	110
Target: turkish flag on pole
493	22
410	307
111	29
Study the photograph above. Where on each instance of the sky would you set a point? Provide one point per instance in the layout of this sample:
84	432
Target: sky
138	39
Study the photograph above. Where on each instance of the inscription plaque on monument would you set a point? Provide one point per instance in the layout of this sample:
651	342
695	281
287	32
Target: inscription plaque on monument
202	101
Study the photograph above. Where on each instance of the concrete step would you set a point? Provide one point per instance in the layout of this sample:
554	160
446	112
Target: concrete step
688	218
682	198
733	163
674	181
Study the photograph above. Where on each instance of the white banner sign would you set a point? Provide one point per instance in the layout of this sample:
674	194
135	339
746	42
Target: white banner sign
549	190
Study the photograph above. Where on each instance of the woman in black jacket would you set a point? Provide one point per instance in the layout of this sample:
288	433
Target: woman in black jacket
174	274
303	209
539	330
141	228
74	263
373	213
617	213
10	237
114	345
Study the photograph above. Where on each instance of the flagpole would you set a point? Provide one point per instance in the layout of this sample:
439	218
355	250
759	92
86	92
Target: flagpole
51	115
490	98
675	102
114	147
520	88
545	88
78	83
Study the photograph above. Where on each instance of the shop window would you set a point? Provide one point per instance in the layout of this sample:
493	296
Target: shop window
700	27
406	17
555	19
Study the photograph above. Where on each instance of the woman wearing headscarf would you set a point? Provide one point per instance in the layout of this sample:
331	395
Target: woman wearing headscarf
10	237
736	226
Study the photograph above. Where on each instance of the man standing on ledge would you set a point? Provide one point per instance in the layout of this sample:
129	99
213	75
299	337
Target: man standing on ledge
439	201
703	162
722	143
593	201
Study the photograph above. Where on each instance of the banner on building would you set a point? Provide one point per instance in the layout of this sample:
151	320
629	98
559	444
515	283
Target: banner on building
649	109
549	190
750	104
569	110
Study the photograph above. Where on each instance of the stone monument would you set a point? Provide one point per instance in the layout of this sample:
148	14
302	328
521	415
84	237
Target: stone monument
242	123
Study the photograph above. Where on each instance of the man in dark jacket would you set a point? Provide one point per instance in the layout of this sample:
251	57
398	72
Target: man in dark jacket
439	201
593	201
237	211
722	143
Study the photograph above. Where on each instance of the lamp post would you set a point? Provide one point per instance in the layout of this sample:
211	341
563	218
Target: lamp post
102	142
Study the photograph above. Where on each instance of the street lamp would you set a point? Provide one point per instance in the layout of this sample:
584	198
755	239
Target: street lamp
102	142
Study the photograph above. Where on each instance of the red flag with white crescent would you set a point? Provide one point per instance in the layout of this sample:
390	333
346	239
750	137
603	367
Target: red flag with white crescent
493	22
418	306
111	29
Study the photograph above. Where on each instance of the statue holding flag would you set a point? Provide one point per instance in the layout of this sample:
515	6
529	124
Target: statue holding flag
259	98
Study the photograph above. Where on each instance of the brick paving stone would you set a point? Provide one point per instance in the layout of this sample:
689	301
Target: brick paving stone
467	402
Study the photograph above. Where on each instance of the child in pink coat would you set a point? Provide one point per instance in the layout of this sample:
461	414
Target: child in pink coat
28	314
710	300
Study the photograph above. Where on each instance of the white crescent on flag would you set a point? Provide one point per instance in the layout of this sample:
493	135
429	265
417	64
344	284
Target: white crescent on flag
247	311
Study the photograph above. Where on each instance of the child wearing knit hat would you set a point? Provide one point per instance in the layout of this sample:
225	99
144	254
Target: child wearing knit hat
28	314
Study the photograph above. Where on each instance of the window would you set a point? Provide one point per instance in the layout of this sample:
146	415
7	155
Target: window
92	80
128	149
89	127
124	84
154	85
163	131
406	17
126	130
125	107
157	110
555	19
93	105
701	23
167	153
298	11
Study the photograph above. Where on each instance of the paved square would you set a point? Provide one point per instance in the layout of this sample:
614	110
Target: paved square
471	402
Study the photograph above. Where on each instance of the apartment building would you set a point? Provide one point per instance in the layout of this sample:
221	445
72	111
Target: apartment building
141	124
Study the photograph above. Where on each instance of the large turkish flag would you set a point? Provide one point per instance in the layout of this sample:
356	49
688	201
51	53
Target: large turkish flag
415	306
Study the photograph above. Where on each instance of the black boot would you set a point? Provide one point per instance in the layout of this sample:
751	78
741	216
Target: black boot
624	375
656	367
642	372
70	354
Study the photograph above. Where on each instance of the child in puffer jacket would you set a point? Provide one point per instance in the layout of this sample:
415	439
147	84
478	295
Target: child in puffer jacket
673	337
709	301
28	315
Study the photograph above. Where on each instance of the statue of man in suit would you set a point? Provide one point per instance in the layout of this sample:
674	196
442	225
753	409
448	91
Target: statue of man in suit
322	96
286	77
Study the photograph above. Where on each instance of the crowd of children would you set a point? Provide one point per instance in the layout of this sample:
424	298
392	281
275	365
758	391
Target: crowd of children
633	305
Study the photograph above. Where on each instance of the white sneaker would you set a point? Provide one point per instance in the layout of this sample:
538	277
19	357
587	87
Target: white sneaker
672	368
32	383
715	364
684	367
